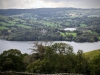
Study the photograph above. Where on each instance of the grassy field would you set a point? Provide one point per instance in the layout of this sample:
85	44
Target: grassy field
17	19
71	33
12	22
7	24
83	25
1	28
92	54
63	34
3	17
68	33
3	23
95	33
23	26
48	23
67	23
99	38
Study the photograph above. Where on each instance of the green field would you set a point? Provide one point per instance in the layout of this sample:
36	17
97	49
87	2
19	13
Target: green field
3	23
71	33
23	26
3	17
92	54
95	33
63	34
1	28
17	19
48	24
10	23
83	25
99	38
67	23
68	33
13	22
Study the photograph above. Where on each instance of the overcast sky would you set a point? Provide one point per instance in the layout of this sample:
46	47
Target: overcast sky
22	4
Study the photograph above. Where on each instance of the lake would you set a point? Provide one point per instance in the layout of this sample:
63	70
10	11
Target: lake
24	46
70	29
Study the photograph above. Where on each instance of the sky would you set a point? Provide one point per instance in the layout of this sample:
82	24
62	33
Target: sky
26	4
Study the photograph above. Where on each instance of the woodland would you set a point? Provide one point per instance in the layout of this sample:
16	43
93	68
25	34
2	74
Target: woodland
51	59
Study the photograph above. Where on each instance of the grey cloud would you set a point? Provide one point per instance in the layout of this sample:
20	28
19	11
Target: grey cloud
90	3
72	0
65	3
15	3
9	3
78	3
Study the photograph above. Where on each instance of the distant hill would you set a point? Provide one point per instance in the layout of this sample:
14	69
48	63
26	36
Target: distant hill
49	24
34	11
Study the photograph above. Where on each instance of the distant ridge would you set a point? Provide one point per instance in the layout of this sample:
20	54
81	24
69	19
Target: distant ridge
19	11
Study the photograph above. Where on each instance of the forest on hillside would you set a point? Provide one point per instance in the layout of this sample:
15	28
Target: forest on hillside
51	59
48	24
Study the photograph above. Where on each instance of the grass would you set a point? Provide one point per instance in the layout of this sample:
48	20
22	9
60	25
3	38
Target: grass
63	34
68	33
99	38
48	24
92	54
71	33
2	27
12	22
3	17
17	19
95	33
7	24
23	26
67	23
83	25
3	23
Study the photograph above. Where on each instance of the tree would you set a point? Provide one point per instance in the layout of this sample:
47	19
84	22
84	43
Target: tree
38	50
62	48
56	58
82	63
12	60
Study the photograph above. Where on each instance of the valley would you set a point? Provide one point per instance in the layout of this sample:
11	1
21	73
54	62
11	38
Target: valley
48	24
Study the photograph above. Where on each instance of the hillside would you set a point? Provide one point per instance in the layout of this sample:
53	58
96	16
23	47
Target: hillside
49	24
92	54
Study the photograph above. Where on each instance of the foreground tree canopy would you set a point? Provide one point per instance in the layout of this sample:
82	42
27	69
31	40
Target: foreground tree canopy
50	58
12	60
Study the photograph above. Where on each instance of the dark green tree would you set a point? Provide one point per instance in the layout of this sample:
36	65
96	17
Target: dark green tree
12	60
82	65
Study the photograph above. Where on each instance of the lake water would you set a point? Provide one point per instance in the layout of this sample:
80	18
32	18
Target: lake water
25	45
70	29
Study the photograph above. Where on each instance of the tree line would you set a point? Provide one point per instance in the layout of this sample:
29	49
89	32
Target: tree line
50	58
52	34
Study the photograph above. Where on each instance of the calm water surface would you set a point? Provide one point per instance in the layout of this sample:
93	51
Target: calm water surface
24	46
70	29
